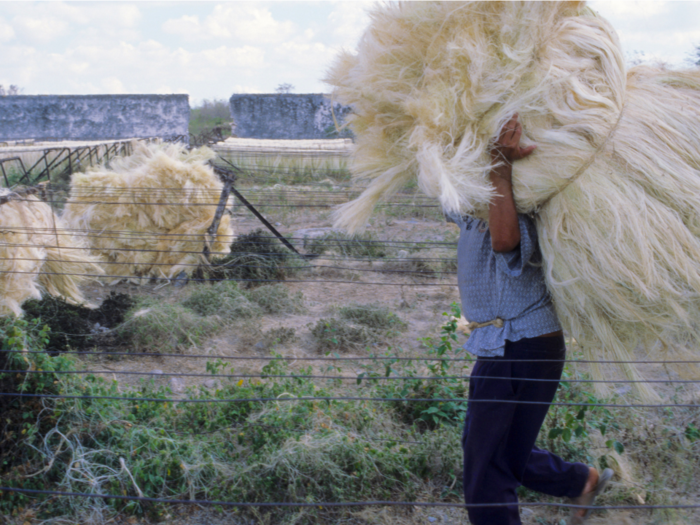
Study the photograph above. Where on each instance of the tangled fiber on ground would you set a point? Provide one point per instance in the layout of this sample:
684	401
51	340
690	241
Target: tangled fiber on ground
614	183
148	213
255	259
77	327
38	253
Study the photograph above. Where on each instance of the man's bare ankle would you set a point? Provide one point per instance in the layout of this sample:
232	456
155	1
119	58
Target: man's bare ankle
592	480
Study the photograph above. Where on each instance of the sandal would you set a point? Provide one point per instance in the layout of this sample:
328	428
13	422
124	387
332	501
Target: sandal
589	497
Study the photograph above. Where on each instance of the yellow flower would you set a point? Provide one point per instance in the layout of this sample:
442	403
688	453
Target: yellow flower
240	383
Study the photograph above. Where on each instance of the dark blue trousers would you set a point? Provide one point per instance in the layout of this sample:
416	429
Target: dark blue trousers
499	438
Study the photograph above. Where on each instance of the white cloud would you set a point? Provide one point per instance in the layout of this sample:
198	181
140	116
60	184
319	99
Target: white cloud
654	32
245	57
349	20
40	29
241	21
185	26
632	8
113	85
211	50
304	54
6	31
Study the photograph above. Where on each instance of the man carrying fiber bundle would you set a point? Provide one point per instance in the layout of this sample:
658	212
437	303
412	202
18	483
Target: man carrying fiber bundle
520	353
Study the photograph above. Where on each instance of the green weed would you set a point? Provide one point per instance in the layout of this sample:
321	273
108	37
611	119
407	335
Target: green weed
441	385
292	449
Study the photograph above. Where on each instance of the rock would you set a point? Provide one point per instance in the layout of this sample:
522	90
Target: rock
402	254
157	377
181	279
211	383
622	390
99	329
431	519
177	385
261	345
526	513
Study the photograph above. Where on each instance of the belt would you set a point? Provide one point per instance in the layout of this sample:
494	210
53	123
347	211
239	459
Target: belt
497	322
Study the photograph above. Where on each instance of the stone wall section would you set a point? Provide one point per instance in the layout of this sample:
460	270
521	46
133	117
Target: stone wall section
288	116
93	117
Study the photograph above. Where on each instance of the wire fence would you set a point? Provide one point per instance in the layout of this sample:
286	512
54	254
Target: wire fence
293	199
336	505
357	378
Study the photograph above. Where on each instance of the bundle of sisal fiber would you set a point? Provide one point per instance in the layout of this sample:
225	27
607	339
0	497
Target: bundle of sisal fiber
614	183
38	253
148	214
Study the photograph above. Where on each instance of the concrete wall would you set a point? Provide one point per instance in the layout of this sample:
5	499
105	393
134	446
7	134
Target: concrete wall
93	117
285	116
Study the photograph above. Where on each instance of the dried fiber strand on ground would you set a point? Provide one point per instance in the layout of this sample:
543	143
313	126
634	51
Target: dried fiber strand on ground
615	181
38	254
160	189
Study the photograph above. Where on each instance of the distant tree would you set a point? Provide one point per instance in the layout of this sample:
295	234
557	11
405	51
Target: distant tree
284	88
12	90
695	56
210	115
212	109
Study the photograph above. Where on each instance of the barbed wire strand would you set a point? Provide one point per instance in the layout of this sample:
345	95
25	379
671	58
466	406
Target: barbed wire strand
358	358
350	398
212	204
215	267
196	252
202	279
240	237
342	378
335	504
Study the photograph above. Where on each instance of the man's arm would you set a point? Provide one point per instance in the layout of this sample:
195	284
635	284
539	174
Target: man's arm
503	218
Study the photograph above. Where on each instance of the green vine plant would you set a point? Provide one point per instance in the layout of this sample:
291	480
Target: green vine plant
428	414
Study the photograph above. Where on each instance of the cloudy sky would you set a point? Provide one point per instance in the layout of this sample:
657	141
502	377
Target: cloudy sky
213	49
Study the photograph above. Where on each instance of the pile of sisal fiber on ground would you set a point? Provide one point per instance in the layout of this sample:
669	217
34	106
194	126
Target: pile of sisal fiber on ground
614	183
38	254
148	214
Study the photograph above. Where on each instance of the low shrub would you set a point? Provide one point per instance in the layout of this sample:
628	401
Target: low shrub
337	334
358	326
224	299
155	326
372	316
277	299
280	335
